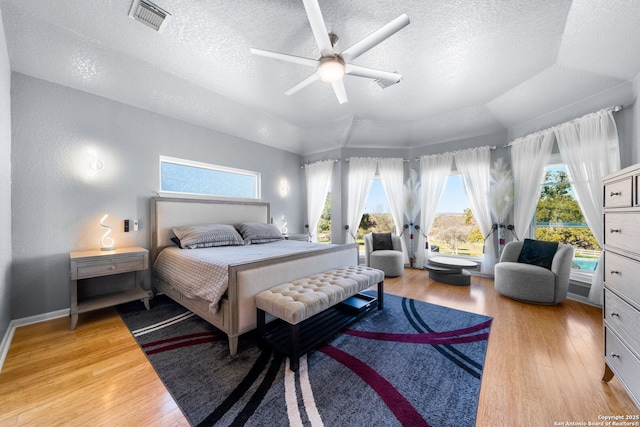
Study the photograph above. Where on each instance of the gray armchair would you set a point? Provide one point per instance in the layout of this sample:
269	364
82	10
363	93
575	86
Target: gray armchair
531	283
391	261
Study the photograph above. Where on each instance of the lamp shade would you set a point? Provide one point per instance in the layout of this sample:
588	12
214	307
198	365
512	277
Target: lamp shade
331	70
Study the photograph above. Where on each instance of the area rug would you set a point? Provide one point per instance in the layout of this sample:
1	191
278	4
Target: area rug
412	364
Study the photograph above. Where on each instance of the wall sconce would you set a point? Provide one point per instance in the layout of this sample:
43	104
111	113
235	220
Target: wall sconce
106	243
284	187
96	165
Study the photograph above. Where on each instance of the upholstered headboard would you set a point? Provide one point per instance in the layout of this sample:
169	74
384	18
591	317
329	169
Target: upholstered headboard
169	212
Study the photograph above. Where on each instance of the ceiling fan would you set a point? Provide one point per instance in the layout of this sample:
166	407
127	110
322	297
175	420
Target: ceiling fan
332	66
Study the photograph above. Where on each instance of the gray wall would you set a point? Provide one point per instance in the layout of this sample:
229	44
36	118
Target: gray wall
5	183
56	207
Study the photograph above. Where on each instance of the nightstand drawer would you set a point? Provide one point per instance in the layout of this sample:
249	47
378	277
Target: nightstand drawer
622	318
623	363
618	194
110	266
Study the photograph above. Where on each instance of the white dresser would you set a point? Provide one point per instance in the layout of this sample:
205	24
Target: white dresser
621	272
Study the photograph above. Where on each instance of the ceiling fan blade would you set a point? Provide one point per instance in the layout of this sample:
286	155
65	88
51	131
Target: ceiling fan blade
304	83
372	73
341	93
375	38
285	57
318	27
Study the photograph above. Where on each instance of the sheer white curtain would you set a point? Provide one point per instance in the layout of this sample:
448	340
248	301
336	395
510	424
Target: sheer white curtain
529	158
589	147
475	167
318	178
434	172
361	174
391	173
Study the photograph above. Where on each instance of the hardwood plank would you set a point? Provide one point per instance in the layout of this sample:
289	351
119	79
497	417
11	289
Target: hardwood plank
544	365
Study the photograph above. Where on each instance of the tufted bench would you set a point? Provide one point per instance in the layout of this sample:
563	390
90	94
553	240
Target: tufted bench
307	298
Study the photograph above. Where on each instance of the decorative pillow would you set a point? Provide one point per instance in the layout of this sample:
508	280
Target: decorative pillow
382	241
177	242
255	232
538	252
207	236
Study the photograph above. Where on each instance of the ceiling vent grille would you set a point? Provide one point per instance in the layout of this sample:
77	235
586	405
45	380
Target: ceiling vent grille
149	14
386	83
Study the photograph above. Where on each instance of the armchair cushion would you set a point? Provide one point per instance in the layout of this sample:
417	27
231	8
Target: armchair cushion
538	252
382	241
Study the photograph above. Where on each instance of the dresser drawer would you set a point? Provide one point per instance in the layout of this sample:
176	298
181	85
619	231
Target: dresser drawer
622	318
102	267
618	194
621	230
622	274
625	365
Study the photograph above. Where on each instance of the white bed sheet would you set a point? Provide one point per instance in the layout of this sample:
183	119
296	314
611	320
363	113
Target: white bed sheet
204	273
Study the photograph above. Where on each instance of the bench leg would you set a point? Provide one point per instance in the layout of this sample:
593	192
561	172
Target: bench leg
381	295
261	328
261	322
294	344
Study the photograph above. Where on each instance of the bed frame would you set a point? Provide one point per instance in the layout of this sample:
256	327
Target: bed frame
237	312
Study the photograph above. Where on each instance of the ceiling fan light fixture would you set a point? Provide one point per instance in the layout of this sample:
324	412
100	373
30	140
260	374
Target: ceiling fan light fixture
331	69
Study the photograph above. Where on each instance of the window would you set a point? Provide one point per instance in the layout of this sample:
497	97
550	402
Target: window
454	229
560	219
189	177
324	225
376	217
377	214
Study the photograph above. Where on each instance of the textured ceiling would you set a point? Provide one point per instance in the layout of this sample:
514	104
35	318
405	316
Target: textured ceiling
469	67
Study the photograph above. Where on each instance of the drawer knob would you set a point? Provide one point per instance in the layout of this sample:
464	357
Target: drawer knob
615	230
614	314
615	272
113	267
616	193
615	355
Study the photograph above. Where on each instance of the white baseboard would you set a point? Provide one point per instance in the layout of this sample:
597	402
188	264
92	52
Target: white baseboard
8	336
582	299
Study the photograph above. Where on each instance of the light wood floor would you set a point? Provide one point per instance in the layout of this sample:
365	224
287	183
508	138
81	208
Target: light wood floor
544	365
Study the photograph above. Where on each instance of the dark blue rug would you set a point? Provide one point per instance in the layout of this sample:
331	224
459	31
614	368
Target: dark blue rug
412	364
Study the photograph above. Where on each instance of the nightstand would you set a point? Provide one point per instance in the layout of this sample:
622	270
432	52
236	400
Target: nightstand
98	263
298	237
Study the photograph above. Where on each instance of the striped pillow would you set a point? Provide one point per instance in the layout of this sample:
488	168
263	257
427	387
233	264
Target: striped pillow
255	232
207	236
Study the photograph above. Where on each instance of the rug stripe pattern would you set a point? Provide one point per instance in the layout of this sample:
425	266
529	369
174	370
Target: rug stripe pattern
446	349
412	363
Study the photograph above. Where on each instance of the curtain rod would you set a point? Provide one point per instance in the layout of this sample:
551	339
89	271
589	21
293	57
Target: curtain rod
319	161
613	109
491	147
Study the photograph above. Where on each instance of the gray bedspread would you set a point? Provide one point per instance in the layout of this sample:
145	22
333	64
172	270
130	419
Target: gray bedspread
204	273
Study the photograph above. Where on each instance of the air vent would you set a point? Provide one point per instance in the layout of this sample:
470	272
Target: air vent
149	14
386	83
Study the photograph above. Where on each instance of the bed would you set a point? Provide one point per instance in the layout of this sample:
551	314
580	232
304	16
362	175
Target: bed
235	314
